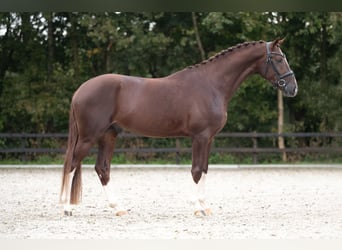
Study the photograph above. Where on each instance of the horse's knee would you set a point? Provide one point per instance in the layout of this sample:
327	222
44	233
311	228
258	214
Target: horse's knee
196	174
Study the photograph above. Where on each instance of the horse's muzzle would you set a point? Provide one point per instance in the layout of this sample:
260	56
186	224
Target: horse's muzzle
290	89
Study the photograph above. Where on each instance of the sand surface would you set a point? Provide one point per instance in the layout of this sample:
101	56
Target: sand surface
246	204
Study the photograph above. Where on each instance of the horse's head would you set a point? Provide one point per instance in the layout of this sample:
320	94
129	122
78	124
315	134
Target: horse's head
277	69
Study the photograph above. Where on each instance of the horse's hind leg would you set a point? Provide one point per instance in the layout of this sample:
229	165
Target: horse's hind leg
106	147
73	190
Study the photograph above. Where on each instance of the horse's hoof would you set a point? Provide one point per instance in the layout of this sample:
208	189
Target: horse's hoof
208	212
121	213
67	213
201	213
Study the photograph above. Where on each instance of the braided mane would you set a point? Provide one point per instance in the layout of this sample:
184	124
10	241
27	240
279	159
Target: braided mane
224	52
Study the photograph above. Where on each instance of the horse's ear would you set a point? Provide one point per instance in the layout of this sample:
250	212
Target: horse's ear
277	42
281	41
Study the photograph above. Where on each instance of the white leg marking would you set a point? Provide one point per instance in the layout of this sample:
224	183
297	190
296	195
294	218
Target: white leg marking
66	194
201	187
112	200
198	198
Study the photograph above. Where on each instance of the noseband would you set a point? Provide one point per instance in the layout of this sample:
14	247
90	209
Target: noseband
280	82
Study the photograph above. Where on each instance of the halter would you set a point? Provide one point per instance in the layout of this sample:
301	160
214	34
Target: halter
281	82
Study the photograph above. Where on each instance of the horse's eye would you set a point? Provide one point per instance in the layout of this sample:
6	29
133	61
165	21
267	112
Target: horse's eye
280	60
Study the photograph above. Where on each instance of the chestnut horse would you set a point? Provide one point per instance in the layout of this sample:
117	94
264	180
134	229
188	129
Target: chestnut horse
191	102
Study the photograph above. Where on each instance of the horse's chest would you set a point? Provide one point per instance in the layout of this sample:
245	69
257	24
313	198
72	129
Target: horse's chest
219	119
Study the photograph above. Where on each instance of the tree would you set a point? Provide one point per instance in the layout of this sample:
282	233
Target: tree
7	44
198	37
46	56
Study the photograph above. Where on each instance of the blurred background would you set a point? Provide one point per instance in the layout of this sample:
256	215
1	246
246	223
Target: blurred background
46	56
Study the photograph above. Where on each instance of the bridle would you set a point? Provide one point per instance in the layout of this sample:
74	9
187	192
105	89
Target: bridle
280	82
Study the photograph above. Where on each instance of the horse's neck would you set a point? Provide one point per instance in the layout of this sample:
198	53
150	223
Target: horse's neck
232	70
226	72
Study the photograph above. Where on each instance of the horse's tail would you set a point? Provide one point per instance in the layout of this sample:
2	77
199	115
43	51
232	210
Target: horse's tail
76	185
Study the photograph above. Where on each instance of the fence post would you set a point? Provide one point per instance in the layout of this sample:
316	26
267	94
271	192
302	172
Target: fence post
177	151
23	144
255	147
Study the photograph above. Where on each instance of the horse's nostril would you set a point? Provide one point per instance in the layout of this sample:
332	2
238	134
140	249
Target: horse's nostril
295	91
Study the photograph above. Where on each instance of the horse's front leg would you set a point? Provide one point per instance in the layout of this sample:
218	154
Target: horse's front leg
102	168
200	155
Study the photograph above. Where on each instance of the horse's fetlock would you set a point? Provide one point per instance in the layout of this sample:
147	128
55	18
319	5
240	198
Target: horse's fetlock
196	175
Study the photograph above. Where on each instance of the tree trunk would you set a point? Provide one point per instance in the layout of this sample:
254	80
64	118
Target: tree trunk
50	58
6	52
323	63
74	45
281	143
108	58
198	38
